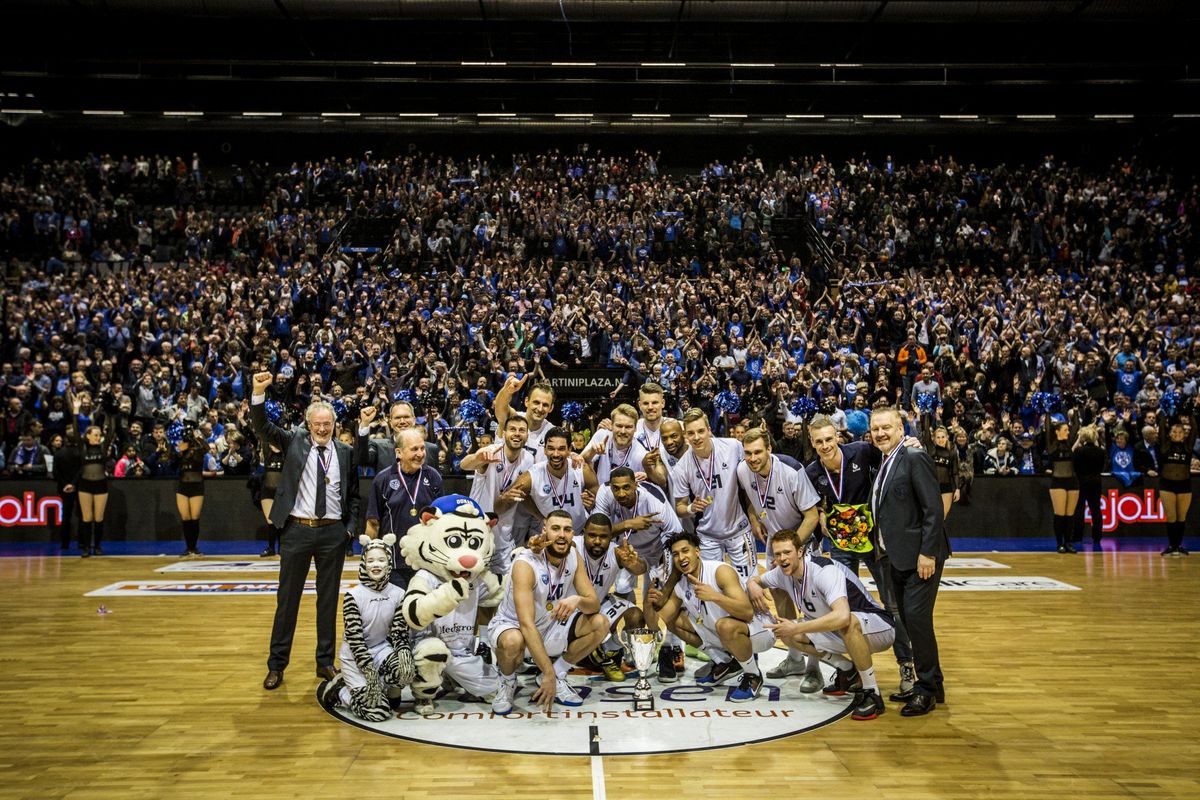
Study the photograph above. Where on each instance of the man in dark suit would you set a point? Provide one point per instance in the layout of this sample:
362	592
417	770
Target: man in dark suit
316	507
908	517
379	454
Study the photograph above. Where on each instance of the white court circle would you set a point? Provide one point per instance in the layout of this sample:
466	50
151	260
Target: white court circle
687	716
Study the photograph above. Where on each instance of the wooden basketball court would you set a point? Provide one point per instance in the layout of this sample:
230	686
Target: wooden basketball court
1066	694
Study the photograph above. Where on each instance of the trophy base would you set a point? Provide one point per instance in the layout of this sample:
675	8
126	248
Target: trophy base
643	703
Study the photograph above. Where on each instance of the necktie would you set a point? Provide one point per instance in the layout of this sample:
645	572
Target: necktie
322	482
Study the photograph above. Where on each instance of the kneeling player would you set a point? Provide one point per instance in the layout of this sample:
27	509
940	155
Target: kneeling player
709	609
550	610
603	561
840	619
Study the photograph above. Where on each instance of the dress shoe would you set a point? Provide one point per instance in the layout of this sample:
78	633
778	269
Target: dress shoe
920	704
272	680
904	697
327	673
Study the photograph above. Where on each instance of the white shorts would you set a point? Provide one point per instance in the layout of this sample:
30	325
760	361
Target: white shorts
878	631
612	608
760	638
555	636
743	556
472	673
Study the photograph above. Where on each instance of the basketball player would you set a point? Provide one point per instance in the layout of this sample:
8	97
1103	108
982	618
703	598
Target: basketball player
539	404
558	483
705	486
648	432
659	463
610	449
708	608
840	618
549	611
641	513
784	499
496	467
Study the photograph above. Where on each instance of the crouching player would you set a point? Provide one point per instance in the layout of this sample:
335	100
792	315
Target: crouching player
839	619
705	605
550	611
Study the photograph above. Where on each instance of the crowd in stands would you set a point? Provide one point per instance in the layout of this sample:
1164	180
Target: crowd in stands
152	287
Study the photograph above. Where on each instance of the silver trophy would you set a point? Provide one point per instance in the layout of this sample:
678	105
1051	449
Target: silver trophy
640	644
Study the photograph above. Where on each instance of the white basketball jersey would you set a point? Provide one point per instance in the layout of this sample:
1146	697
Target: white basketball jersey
565	493
702	614
550	584
781	498
715	477
602	573
825	580
488	485
648	542
648	439
612	456
456	629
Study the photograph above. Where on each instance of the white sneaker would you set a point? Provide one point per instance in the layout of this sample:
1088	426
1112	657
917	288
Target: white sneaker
908	676
811	683
565	694
502	702
789	666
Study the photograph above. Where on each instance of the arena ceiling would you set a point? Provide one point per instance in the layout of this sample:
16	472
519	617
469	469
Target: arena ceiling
579	63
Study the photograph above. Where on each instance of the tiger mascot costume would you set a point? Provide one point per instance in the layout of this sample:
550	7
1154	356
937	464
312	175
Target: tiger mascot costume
450	549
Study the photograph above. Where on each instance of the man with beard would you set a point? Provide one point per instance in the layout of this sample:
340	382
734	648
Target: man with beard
556	484
549	611
642	514
612	449
494	470
539	404
671	447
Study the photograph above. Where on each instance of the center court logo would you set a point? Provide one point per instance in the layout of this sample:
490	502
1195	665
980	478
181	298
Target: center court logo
686	717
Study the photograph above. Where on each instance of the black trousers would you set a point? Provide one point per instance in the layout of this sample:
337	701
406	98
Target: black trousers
915	599
1089	497
299	546
70	501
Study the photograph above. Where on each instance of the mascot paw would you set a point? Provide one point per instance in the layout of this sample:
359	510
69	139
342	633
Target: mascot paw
398	668
423	706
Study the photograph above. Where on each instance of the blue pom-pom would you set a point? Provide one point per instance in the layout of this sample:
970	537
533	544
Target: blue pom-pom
471	411
175	432
1045	402
407	395
927	402
274	411
804	407
572	411
340	410
728	402
1169	403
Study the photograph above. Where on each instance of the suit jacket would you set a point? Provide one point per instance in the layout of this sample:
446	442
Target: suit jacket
379	454
295	445
908	514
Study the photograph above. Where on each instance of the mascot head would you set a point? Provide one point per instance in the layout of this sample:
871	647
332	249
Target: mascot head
452	540
376	565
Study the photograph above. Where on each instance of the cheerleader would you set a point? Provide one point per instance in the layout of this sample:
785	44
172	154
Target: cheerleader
1064	483
189	491
1175	477
92	485
945	460
272	468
